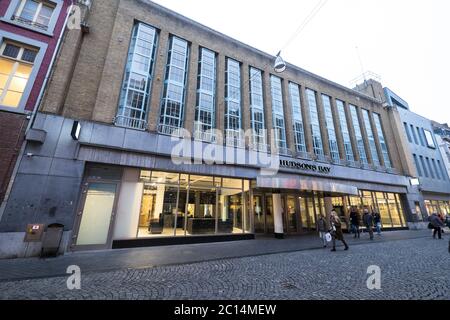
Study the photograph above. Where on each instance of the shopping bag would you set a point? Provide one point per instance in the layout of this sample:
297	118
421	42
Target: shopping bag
328	237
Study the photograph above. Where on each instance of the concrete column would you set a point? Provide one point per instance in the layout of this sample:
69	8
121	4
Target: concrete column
220	97
351	127
337	128
278	216
306	120
328	207
158	81
191	89
290	140
323	125
268	105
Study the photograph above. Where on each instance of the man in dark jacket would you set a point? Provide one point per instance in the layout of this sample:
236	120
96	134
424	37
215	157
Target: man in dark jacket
437	224
354	220
368	221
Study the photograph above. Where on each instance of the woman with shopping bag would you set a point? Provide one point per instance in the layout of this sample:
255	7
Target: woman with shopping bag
336	230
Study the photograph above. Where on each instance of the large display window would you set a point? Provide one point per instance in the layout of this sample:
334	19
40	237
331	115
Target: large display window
187	205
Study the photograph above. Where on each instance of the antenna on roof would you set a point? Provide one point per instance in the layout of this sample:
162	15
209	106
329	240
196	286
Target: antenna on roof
361	63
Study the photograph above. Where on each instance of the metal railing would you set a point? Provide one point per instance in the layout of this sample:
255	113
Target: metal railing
260	147
303	155
366	166
354	164
205	136
339	162
234	139
133	123
283	151
392	170
170	130
323	158
30	23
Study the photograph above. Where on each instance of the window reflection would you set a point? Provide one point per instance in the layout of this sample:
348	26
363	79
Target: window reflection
186	205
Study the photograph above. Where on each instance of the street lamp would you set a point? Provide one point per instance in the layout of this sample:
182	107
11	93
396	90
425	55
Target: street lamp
280	65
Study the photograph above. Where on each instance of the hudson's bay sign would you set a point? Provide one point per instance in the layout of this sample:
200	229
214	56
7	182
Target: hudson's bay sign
305	166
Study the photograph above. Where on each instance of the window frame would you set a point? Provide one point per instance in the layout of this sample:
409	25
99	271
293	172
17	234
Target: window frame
16	4
42	48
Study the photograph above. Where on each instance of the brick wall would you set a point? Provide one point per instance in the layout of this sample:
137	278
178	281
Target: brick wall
12	131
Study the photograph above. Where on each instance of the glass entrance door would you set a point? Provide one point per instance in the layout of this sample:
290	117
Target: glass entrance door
97	216
258	209
269	214
291	214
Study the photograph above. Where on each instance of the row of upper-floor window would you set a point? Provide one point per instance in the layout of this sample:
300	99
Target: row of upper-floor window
429	168
135	96
419	136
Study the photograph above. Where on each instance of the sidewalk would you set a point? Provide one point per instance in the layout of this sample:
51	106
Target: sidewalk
109	260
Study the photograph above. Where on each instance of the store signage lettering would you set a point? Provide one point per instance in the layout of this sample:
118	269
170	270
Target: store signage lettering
305	166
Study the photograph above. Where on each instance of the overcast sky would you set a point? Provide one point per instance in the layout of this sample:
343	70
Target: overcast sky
405	42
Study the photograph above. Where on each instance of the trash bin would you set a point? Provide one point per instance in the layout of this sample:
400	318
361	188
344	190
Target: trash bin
52	240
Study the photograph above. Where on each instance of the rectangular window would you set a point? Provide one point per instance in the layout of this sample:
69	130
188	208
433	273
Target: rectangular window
297	117
206	96
345	131
405	125
16	64
257	109
444	175
371	137
420	135
430	140
172	106
384	149
435	168
429	167
35	13
416	161
425	170
278	113
315	123
334	150
233	121
358	134
414	134
135	93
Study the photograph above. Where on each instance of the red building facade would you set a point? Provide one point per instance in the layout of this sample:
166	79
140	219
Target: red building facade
30	32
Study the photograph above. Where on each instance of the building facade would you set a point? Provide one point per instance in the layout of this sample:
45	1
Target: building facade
29	36
432	193
442	134
161	130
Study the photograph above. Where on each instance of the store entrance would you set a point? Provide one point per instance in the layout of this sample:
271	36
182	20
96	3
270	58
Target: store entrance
300	211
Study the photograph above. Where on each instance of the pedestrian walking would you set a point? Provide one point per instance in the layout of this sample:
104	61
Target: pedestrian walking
368	222
436	224
355	221
377	221
336	230
322	227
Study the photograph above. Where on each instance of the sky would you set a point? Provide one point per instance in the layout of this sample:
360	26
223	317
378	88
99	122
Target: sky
405	42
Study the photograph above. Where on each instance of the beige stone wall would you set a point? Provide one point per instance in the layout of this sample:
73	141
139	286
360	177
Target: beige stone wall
87	83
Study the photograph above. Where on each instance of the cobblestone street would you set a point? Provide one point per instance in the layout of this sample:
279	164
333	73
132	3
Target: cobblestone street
410	269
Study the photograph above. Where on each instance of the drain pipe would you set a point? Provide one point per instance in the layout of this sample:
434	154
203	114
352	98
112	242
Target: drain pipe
32	117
